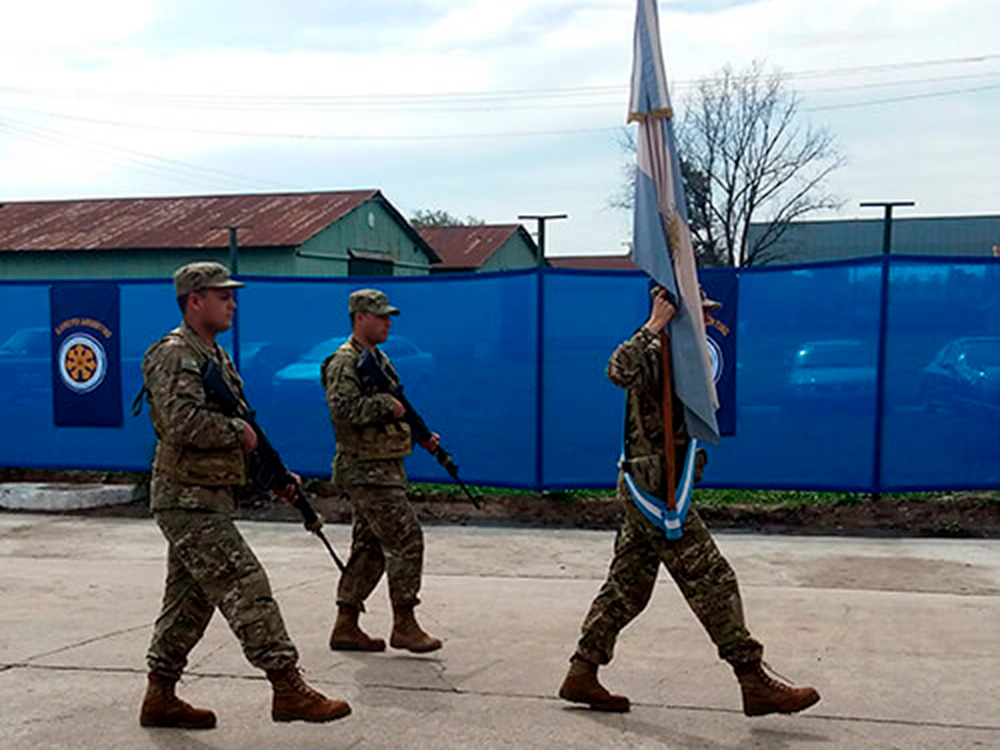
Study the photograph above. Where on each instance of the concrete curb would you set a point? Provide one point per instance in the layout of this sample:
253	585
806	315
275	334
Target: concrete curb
58	497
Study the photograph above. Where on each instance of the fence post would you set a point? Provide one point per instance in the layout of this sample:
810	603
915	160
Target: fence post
883	320
540	381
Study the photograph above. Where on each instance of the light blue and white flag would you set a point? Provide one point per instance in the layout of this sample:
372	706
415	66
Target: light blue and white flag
661	240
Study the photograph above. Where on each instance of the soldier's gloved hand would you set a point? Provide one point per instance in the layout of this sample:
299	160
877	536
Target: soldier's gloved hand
249	438
432	443
287	493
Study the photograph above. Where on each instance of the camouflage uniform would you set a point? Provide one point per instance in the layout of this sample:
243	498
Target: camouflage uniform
704	577
199	461
368	468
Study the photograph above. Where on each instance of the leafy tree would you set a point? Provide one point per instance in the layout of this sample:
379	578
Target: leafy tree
439	218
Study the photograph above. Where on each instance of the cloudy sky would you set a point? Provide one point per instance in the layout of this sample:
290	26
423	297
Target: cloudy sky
478	107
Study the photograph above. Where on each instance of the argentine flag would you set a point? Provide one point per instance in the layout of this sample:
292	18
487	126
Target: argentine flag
661	240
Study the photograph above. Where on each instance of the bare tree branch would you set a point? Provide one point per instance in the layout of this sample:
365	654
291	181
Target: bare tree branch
746	158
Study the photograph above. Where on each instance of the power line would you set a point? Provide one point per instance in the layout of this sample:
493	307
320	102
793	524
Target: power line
501	106
906	82
403	99
452	136
895	99
153	164
327	136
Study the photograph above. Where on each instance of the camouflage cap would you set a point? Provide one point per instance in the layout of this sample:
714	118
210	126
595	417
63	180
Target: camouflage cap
707	303
203	274
370	301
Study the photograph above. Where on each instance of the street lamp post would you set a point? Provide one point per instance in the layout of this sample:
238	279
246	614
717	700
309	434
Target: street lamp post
541	219
887	220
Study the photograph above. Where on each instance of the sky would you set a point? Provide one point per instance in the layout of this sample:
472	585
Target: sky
476	107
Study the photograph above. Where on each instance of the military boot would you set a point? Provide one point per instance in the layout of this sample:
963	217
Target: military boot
162	708
347	635
294	700
581	686
763	694
406	633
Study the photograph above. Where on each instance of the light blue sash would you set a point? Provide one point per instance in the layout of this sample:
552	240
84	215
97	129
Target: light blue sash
655	509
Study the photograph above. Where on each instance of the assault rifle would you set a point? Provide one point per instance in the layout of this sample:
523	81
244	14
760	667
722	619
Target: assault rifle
267	469
369	367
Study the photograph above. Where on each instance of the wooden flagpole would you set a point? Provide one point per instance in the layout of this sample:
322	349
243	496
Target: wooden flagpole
670	458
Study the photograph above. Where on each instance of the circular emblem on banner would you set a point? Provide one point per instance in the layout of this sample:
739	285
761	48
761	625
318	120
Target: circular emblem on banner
715	358
82	363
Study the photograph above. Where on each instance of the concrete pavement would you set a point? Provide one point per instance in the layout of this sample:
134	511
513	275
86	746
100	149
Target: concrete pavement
901	637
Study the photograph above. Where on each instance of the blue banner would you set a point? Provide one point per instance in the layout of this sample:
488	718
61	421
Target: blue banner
722	285
86	355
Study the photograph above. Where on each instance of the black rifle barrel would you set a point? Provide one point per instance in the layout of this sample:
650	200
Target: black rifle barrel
369	366
271	472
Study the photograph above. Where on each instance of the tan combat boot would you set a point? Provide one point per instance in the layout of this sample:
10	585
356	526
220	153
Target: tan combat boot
347	635
406	633
581	686
162	708
294	700
763	694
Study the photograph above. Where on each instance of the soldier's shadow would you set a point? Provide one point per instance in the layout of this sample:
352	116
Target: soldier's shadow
411	683
172	739
760	738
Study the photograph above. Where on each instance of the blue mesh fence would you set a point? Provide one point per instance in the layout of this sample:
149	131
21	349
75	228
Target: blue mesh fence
521	410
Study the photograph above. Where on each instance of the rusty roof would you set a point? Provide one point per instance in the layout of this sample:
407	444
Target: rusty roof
469	247
267	220
593	262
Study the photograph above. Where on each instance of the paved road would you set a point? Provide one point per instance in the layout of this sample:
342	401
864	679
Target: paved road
901	637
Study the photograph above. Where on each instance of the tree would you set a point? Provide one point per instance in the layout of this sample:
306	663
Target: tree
439	218
746	157
696	195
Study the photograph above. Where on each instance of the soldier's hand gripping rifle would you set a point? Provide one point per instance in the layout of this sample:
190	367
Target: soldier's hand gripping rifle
268	471
369	366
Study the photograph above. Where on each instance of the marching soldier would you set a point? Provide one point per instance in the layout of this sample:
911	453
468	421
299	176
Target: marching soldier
200	460
372	440
703	575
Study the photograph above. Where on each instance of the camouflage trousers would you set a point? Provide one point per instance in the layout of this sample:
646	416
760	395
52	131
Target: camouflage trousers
386	538
210	565
703	575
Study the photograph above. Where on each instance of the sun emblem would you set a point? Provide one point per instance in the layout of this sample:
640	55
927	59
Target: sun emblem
82	363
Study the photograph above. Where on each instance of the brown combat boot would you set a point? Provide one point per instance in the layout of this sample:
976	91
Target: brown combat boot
581	686
406	633
347	635
162	708
294	700
763	694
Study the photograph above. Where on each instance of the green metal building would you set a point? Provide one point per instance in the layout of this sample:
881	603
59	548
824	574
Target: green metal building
331	233
480	248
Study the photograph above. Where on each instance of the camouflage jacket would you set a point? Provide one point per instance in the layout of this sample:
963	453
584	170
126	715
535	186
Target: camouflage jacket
635	365
371	443
198	444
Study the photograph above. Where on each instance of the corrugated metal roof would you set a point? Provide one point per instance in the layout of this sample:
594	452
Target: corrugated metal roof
268	220
469	246
593	262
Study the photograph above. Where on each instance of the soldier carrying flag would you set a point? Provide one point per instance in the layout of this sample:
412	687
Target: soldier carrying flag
670	403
